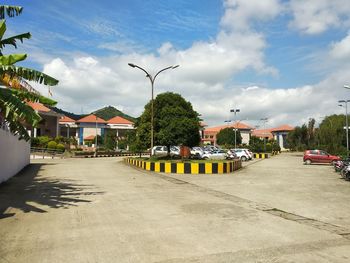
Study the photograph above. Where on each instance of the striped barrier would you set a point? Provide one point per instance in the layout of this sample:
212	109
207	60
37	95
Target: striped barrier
186	168
261	155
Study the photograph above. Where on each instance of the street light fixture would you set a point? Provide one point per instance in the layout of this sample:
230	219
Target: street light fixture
346	123
235	111
152	79
346	86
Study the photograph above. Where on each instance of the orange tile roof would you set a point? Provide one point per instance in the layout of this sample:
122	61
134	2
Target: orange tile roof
90	138
283	128
119	120
237	125
262	133
38	106
66	119
92	118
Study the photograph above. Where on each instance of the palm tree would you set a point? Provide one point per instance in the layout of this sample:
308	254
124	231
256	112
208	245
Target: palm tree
14	89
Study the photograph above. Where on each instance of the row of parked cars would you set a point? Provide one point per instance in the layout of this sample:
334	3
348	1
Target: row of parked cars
207	152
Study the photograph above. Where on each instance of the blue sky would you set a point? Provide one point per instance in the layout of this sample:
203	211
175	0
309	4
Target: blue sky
270	58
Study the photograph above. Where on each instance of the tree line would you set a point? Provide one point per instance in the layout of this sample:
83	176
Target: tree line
330	135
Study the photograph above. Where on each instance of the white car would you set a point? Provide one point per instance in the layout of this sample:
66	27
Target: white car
198	151
163	150
218	154
242	154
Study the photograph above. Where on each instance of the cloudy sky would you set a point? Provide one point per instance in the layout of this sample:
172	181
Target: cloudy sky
285	60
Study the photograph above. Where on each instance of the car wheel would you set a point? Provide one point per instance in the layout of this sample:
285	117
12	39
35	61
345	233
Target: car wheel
205	158
308	162
243	158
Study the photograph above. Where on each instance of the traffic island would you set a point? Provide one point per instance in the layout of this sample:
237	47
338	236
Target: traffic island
191	167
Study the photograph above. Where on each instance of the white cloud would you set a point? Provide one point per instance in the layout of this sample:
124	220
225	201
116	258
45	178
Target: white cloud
239	14
206	69
341	49
316	16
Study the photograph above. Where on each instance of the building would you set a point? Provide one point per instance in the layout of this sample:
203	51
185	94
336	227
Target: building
211	132
279	134
49	124
86	128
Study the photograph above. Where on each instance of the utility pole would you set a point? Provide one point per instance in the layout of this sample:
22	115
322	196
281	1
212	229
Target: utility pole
235	111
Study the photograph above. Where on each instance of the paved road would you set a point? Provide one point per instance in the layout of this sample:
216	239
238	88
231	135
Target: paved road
100	210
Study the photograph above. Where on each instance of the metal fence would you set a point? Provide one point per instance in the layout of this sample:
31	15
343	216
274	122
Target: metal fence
43	153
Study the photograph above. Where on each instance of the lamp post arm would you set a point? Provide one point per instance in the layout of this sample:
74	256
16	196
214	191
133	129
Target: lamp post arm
147	74
161	71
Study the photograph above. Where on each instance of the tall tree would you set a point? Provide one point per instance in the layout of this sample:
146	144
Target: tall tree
15	91
175	122
227	136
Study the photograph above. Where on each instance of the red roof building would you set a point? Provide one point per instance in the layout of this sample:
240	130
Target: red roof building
37	106
92	118
211	132
66	119
119	120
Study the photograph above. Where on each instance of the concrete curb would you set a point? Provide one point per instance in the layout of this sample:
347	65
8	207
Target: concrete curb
186	168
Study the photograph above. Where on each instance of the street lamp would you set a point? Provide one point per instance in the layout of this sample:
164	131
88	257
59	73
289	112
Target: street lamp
228	122
346	123
235	111
152	79
96	138
346	87
265	121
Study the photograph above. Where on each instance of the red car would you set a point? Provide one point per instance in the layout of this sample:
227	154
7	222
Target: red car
319	156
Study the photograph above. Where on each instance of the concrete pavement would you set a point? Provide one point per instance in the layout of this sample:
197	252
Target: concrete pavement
100	210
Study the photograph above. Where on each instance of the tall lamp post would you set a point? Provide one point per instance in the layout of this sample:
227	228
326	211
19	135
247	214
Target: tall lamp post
265	121
152	79
346	123
235	111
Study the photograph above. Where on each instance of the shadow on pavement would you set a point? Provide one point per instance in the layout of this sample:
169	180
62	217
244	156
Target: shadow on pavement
28	192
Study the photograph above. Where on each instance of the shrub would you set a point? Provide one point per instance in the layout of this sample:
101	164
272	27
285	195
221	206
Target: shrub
52	145
60	147
43	141
34	142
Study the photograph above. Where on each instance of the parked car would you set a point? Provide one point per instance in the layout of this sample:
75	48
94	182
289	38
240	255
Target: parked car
197	151
217	154
163	150
319	156
243	154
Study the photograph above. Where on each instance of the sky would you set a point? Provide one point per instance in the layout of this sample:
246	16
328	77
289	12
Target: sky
285	60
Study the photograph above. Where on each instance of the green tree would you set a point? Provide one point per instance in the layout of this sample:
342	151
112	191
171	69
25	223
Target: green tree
175	122
226	137
15	91
111	139
331	136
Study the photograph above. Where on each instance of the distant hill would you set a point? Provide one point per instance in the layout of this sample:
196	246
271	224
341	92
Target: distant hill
109	112
68	114
105	113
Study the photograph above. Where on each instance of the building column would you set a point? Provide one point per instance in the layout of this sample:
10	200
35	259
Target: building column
34	132
117	139
57	127
280	136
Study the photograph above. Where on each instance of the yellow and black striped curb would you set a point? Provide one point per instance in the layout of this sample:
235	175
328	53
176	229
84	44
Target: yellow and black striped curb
186	168
261	155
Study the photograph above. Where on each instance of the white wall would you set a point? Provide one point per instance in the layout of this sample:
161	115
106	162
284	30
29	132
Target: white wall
14	155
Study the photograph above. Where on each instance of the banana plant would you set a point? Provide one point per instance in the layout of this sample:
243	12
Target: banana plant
14	90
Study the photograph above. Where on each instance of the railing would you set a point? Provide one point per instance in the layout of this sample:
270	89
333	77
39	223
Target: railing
44	152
